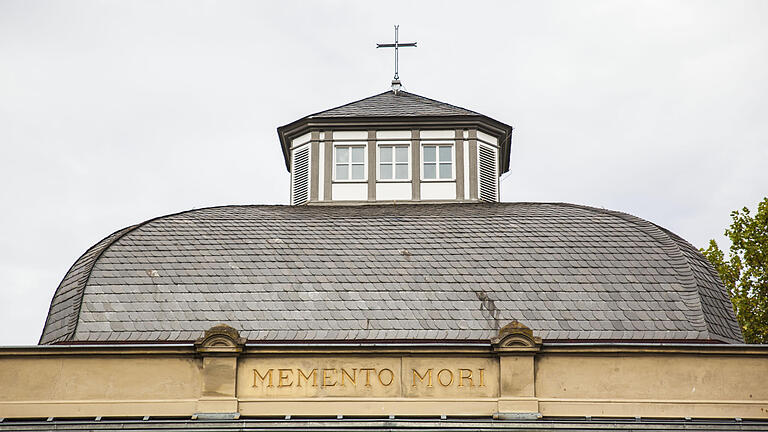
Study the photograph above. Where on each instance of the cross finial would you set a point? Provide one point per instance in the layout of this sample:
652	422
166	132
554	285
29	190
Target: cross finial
396	81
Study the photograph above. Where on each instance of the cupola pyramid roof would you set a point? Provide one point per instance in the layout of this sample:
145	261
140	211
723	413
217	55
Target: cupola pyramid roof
391	104
401	109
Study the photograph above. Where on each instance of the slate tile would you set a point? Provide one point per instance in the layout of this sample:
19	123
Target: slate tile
543	258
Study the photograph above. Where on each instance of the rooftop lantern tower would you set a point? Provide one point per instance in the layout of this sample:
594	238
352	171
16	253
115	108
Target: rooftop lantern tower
395	146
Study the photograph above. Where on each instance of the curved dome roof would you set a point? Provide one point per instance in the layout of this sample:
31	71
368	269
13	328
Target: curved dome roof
452	272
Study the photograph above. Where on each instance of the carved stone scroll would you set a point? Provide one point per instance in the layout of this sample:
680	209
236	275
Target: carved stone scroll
220	339
516	337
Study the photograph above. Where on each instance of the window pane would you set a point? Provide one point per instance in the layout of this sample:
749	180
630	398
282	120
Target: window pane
357	172
429	153
445	170
401	154
386	172
342	172
401	171
342	154
385	154
445	154
429	171
357	154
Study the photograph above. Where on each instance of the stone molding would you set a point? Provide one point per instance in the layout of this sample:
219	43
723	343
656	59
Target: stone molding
220	339
559	380
516	338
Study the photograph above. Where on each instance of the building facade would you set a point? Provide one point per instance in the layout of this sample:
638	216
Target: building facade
395	292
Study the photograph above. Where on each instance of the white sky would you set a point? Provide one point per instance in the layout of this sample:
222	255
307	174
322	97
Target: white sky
114	112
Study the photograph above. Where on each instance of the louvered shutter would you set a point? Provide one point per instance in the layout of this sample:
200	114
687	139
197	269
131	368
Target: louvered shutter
300	175
488	179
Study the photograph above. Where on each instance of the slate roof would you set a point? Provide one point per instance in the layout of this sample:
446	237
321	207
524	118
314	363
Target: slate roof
389	104
389	107
438	272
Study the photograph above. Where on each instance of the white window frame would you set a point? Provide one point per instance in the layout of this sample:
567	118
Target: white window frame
451	143
362	144
379	145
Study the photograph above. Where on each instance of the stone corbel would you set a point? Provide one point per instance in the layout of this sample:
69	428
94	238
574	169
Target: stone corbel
515	337
516	347
219	348
221	340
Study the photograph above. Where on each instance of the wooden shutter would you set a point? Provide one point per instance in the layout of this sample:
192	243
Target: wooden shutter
300	175
487	177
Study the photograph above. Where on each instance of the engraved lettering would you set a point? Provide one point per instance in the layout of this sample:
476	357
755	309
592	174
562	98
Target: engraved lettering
312	374
427	375
257	375
367	375
352	377
463	377
440	377
283	376
341	377
326	378
391	377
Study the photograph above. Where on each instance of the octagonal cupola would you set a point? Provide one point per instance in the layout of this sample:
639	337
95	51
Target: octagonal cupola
395	146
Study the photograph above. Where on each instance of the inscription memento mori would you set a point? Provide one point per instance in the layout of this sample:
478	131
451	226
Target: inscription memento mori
368	377
330	377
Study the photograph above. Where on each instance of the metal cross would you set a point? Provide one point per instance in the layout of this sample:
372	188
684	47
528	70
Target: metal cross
396	45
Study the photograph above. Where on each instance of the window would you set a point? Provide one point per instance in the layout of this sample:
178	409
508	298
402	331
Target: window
437	162
394	162
350	162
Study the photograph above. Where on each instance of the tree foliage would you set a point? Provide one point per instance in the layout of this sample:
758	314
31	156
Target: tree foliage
745	270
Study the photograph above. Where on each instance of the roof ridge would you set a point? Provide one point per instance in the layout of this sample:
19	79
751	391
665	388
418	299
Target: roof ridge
441	102
401	94
687	279
101	245
347	104
93	264
679	240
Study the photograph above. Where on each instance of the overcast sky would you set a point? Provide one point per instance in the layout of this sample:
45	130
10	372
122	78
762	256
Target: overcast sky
112	112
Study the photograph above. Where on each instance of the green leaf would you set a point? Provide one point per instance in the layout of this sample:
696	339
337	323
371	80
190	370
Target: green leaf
745	271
